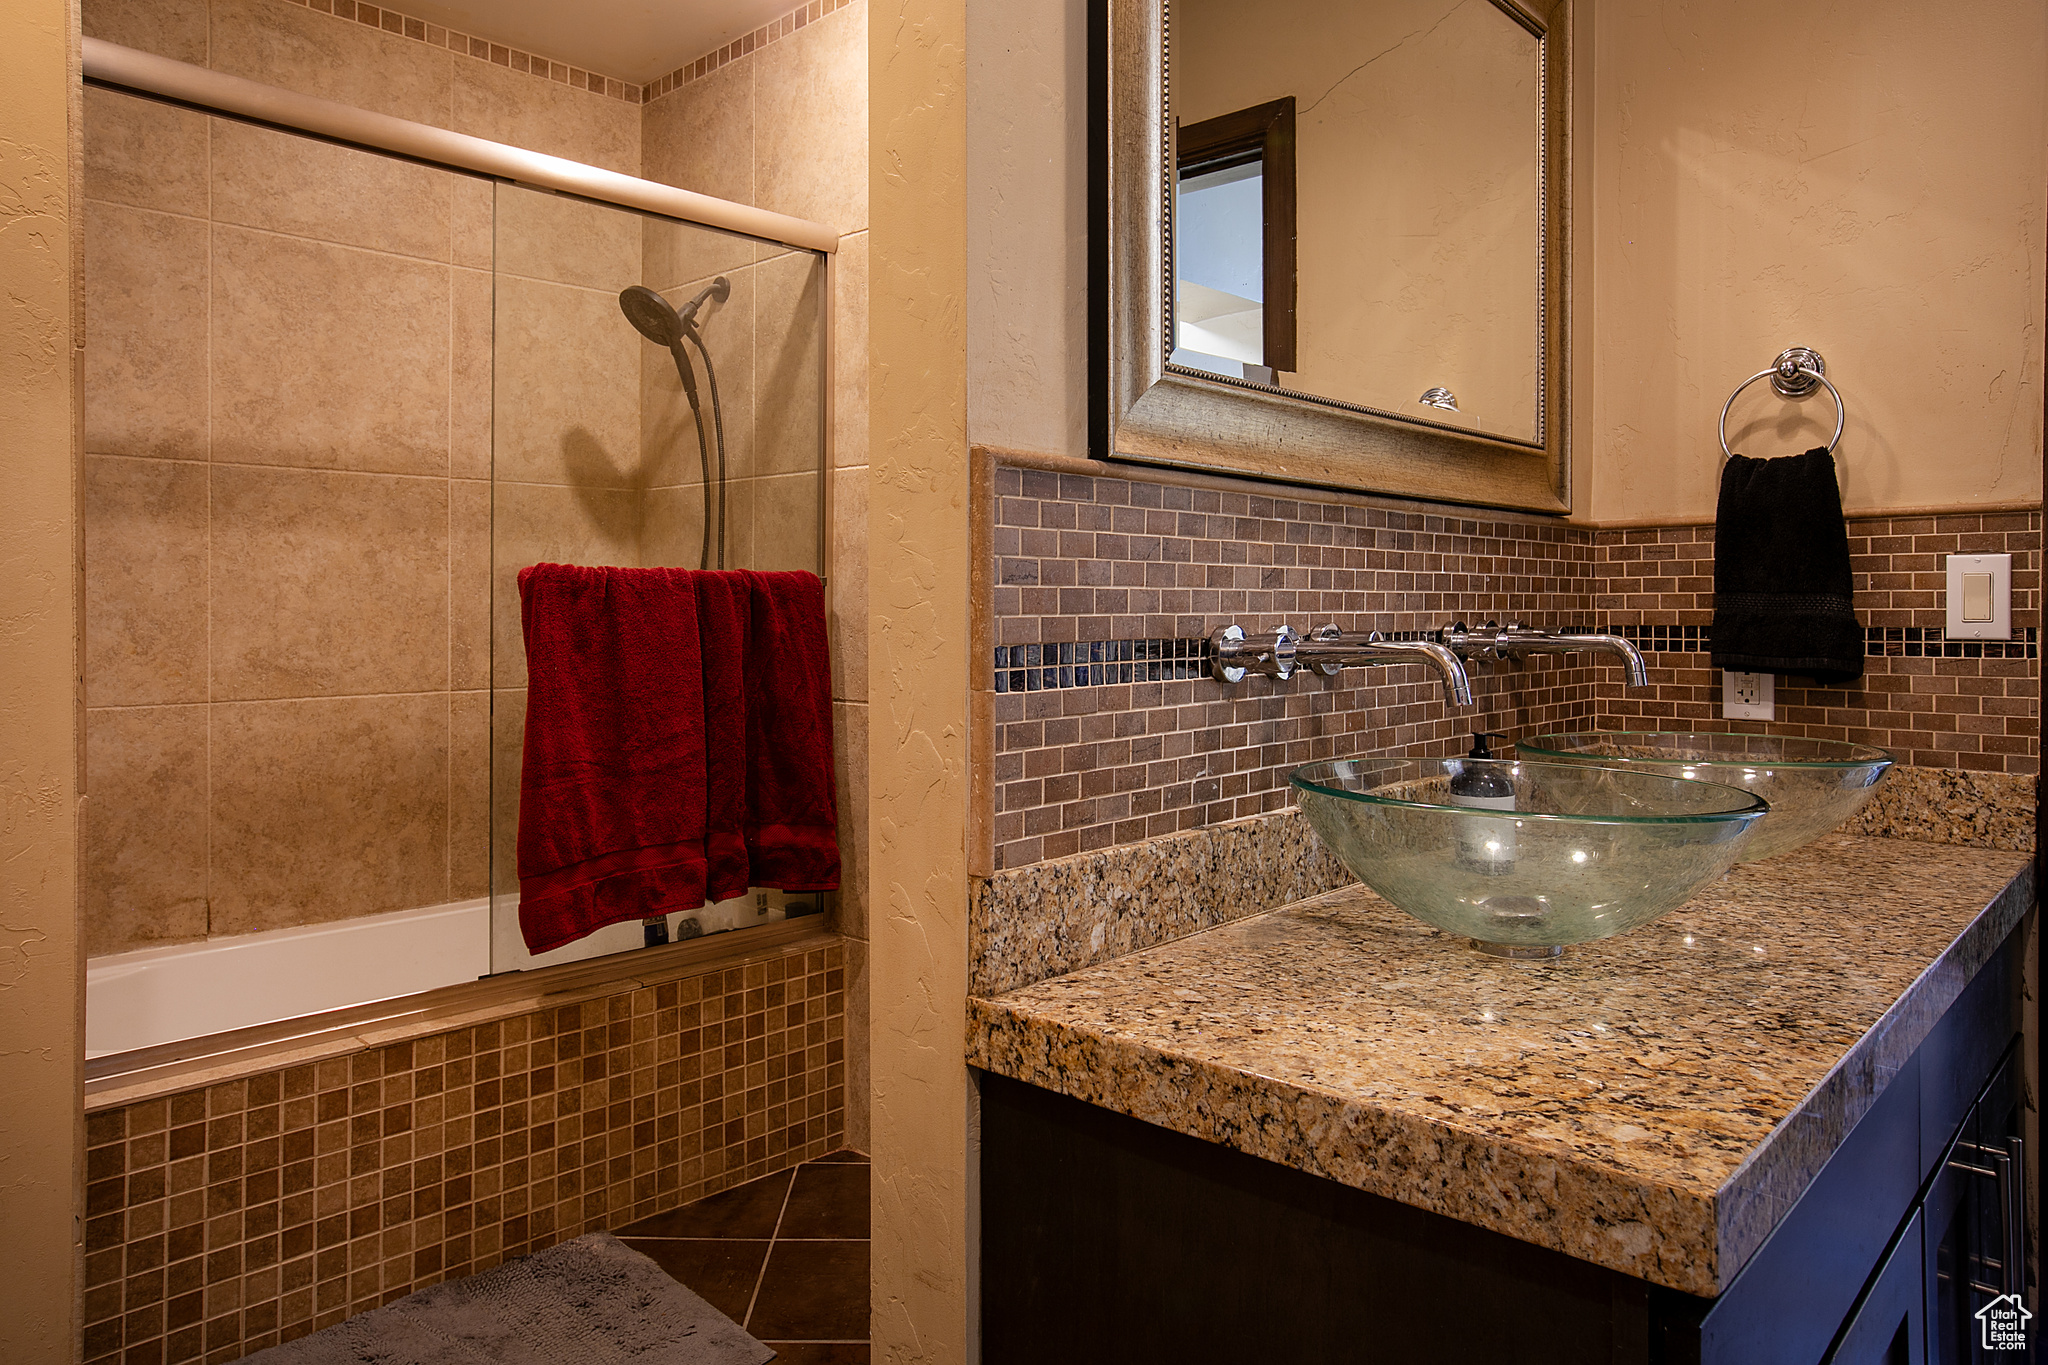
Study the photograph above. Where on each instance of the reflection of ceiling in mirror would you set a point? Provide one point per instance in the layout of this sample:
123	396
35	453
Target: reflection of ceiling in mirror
1220	277
1417	159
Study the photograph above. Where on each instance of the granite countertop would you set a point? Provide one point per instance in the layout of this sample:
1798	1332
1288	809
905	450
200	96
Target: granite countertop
1654	1103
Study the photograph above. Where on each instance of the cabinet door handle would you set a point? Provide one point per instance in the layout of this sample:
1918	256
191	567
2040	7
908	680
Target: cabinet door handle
2007	1166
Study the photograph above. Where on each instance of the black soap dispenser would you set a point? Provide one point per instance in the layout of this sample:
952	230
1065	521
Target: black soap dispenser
1486	845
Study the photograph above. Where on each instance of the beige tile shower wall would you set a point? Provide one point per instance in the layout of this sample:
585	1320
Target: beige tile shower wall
1933	704
231	1217
783	126
276	650
1079	560
288	437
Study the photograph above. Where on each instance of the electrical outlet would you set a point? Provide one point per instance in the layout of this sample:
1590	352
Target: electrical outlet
1748	696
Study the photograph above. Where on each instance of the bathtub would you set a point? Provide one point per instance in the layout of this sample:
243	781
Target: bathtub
189	990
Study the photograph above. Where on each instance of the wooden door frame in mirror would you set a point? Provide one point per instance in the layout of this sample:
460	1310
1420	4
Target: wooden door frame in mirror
1143	412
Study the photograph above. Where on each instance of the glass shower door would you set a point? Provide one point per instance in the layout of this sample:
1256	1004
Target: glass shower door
597	457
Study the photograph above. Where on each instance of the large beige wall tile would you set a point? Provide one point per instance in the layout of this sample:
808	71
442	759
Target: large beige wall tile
550	524
145	827
672	536
328	357
511	106
144	154
469	376
850	351
701	136
145	296
668	432
677	253
299	185
789	353
785	522
327	808
570	241
327	583
475	210
811	121
567	400
469	796
739	525
317	54
849	596
145	581
469	572
850	769
669	449
169	28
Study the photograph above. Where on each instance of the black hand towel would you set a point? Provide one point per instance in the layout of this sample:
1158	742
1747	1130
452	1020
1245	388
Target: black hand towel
1782	593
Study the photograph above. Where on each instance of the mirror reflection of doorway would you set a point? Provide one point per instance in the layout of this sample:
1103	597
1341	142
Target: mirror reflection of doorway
1234	216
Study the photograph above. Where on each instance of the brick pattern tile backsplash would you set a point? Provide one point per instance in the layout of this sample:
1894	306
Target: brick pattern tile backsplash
1932	702
229	1218
1082	561
1109	731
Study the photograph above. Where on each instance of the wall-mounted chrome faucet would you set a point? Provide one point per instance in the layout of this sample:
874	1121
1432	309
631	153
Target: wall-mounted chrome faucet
1283	652
1327	649
1492	641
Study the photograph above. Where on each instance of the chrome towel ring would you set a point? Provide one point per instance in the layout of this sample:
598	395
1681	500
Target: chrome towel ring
1795	374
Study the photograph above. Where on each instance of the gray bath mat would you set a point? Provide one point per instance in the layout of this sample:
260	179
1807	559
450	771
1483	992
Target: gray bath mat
591	1301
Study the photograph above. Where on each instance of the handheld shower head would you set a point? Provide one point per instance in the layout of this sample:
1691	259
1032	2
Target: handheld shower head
660	322
652	315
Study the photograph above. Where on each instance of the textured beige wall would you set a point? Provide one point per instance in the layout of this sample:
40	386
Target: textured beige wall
917	679
1416	178
1027	225
41	1034
1871	189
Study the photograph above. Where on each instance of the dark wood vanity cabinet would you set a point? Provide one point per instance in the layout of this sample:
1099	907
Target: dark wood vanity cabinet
1108	1239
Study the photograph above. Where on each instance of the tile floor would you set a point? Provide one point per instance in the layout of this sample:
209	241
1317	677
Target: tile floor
785	1256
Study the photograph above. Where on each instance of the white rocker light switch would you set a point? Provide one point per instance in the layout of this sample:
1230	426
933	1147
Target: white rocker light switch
1980	597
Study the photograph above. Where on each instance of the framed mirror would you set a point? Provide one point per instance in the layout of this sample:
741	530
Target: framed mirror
1333	244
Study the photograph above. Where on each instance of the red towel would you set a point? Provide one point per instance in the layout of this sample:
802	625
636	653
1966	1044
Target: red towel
792	819
724	614
612	791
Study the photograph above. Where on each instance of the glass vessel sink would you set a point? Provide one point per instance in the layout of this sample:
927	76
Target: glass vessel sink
1812	785
1586	852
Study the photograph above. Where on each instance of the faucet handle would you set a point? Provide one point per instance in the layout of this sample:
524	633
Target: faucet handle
1328	633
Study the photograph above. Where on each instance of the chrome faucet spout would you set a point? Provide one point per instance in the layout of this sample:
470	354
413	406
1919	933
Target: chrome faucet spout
1630	656
1513	641
1449	668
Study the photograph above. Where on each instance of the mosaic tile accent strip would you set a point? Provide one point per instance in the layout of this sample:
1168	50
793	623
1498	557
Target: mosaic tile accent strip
1896	642
228	1218
1096	663
1059	916
739	47
482	49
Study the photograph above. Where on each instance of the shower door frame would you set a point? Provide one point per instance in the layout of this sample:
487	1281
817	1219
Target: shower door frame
126	70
